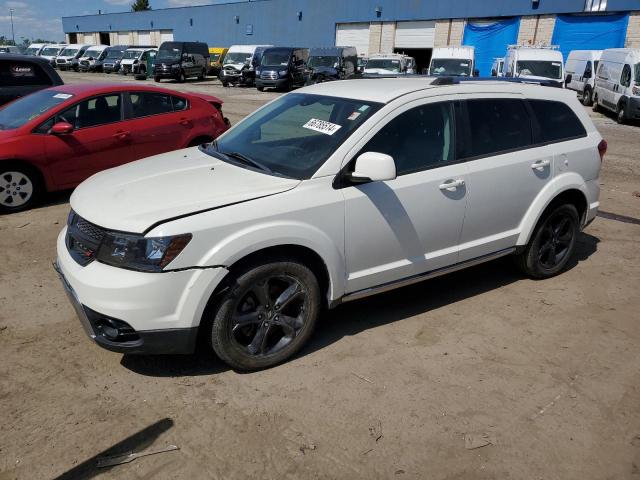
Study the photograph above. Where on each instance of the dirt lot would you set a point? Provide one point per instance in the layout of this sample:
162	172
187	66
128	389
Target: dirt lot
548	372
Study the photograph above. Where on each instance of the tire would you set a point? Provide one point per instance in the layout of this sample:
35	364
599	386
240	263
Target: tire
156	79
552	243
596	106
20	188
182	78
621	114
202	75
260	89
587	97
266	338
225	84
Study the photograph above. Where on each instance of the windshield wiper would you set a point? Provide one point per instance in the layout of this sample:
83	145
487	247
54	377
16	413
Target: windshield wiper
245	159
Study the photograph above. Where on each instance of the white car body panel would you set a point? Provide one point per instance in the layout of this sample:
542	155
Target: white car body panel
519	53
576	66
609	88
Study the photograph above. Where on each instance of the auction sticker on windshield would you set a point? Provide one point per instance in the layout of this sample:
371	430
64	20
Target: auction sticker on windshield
322	126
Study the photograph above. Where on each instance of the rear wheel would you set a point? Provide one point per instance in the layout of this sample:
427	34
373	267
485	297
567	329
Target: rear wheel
266	316
552	243
261	89
20	188
181	77
587	99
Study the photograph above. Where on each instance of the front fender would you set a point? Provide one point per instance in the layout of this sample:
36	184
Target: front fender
560	183
242	243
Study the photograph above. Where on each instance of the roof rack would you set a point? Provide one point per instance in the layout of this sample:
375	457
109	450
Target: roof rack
459	80
545	46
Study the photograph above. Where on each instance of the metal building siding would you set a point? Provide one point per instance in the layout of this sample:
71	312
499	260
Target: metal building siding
276	21
415	34
353	35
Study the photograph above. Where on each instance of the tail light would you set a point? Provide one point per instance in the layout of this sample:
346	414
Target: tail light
602	149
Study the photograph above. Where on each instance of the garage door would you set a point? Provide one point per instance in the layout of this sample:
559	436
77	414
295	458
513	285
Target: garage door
144	37
166	35
353	35
590	32
491	39
415	34
123	38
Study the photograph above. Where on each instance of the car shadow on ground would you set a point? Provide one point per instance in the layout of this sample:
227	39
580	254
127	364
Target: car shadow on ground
355	317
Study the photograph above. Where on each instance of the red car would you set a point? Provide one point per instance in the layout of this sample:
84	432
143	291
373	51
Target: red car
55	138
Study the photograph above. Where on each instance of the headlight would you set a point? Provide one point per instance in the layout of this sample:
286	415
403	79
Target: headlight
282	73
135	252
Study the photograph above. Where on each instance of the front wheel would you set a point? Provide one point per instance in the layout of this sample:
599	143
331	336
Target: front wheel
552	243
181	77
19	189
587	99
621	114
596	106
266	316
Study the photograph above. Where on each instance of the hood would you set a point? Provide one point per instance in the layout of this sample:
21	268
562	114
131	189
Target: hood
324	71
535	78
128	61
235	66
133	197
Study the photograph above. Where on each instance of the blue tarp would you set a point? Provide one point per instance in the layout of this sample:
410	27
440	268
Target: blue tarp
590	32
491	41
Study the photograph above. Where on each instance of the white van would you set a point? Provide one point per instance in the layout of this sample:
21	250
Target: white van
390	64
618	83
68	59
93	58
580	73
239	64
497	69
51	52
135	59
535	63
453	62
35	49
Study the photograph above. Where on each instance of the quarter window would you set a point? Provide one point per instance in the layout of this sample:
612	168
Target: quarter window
497	125
557	121
95	111
418	139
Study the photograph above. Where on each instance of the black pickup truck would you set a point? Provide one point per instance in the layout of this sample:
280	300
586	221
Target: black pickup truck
21	75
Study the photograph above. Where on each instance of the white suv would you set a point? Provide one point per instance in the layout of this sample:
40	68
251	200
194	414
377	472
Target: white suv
329	194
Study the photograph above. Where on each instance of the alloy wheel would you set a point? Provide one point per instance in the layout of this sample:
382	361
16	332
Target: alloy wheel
555	241
16	189
269	315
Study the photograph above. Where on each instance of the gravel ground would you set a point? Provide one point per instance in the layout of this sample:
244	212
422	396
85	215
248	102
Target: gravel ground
396	386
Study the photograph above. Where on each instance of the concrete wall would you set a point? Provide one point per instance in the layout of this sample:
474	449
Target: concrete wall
449	32
382	36
633	31
536	29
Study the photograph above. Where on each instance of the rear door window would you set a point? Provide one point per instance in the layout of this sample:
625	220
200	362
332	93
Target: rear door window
496	126
557	121
145	104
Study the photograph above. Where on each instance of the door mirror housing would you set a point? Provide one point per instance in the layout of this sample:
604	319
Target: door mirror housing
373	167
476	73
61	128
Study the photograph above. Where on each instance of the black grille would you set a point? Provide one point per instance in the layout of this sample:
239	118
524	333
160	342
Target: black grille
83	239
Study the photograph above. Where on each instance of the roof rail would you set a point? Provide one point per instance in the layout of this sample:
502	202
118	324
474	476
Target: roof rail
459	80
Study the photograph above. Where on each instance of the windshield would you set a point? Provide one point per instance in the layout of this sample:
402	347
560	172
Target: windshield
324	61
637	73
392	65
455	67
275	59
115	54
539	68
215	57
69	52
25	109
92	53
171	54
237	57
50	51
294	135
129	54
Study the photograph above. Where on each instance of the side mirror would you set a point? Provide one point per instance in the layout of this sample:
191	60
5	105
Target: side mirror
373	167
494	73
61	128
567	80
476	73
587	74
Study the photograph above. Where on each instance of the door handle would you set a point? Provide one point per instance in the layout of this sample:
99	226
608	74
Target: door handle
452	185
540	164
122	135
